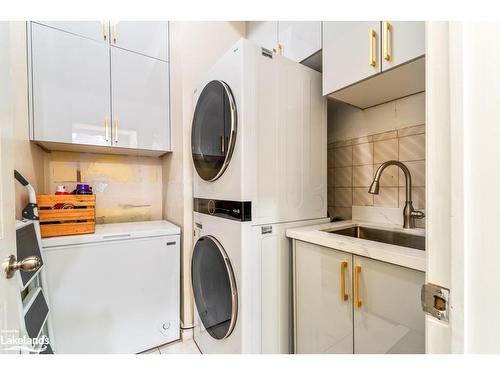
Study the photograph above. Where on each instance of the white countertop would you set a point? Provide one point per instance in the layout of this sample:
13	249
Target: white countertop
116	231
402	256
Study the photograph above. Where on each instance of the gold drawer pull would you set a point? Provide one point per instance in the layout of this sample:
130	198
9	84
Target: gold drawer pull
343	294
357	301
116	131
373	47
106	128
387	41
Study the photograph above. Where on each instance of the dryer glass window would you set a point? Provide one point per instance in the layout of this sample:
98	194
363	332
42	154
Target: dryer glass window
213	133
214	287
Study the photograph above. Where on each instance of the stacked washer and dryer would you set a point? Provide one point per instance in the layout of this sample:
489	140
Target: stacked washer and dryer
259	147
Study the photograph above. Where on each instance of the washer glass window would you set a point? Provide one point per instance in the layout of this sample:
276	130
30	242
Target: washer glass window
214	287
213	133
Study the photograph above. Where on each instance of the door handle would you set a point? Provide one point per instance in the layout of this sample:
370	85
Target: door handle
116	122
10	265
387	41
106	128
357	301
372	47
343	294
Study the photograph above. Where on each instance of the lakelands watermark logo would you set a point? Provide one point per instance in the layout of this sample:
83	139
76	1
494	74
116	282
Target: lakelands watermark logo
10	340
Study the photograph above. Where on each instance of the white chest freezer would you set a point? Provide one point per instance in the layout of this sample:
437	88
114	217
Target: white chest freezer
117	290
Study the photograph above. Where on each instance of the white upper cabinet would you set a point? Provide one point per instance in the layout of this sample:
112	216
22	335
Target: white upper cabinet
85	91
263	33
389	318
323	300
299	39
351	53
70	87
140	101
402	41
147	37
90	29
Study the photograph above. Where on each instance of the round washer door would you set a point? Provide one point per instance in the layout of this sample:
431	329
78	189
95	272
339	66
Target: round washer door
213	134
214	287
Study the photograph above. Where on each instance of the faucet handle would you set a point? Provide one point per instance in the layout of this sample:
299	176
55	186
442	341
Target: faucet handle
418	214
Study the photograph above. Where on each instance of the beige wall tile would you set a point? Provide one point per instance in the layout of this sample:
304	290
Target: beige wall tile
387	197
330	161
343	157
389	176
366	139
384	136
410	110
330	196
362	154
412	130
330	177
343	197
412	147
343	212
342	177
361	197
362	176
331	211
417	195
417	171
385	150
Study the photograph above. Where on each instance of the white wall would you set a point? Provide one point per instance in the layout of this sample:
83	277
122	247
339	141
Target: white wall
195	47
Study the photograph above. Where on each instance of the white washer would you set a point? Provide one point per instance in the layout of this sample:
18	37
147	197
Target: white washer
241	284
259	135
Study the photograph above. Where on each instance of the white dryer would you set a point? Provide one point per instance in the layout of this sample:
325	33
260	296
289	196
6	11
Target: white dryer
259	135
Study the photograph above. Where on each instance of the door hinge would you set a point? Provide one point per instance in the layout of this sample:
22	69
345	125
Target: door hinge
435	301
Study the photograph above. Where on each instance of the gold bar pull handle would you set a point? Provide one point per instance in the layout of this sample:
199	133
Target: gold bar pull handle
116	123
114	33
373	48
357	301
343	294
222	144
387	41
104	30
106	128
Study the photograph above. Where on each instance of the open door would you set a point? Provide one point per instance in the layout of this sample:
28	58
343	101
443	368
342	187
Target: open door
10	307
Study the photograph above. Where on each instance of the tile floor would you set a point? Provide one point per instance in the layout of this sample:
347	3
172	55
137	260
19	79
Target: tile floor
179	347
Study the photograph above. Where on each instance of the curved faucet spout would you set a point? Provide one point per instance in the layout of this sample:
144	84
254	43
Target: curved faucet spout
409	213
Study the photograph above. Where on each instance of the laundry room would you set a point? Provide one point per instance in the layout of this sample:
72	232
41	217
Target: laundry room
264	186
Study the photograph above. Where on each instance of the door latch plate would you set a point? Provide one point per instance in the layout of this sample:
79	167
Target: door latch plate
435	301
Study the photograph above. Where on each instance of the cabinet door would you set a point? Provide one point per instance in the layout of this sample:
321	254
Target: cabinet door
71	95
90	29
147	37
140	101
263	33
402	41
299	39
390	318
351	53
323	312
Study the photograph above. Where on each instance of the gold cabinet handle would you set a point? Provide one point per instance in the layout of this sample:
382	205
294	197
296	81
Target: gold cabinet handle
373	48
106	128
387	41
357	301
116	131
114	33
104	30
222	146
343	294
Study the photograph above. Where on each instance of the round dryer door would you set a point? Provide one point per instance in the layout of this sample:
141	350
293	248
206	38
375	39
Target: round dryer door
214	287
213	133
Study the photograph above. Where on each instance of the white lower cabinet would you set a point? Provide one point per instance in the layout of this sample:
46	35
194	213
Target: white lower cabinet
140	101
390	318
350	304
323	316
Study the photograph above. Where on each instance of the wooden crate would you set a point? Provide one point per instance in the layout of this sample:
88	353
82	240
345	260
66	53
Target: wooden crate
63	222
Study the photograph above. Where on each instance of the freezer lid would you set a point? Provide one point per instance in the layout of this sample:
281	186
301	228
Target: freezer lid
116	231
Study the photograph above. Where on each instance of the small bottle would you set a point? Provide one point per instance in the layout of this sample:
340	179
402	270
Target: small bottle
61	190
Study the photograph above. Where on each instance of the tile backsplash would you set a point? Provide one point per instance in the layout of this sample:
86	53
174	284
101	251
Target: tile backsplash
352	164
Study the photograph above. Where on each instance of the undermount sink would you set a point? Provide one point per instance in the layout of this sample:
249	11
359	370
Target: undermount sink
380	235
